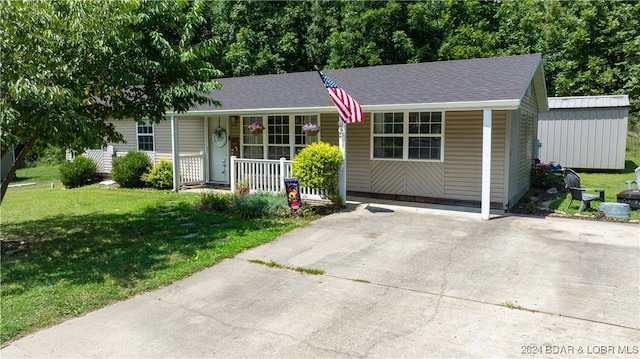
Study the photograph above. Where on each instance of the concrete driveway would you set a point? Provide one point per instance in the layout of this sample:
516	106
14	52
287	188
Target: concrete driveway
399	281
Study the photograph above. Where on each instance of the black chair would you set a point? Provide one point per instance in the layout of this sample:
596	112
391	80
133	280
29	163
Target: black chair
579	193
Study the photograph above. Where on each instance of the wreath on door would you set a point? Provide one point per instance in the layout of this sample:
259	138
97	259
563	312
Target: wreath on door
219	137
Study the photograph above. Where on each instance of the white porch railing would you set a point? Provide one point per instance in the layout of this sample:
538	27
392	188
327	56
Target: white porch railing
192	168
266	175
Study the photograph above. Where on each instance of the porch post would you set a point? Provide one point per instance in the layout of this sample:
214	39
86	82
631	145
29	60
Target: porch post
175	155
232	174
283	174
486	164
342	144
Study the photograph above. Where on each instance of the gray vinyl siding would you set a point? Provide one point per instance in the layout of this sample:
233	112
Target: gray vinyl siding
527	137
463	155
584	138
523	132
127	129
191	136
412	178
458	177
162	139
329	128
358	155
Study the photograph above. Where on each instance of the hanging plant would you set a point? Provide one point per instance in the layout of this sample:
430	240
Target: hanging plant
256	129
311	129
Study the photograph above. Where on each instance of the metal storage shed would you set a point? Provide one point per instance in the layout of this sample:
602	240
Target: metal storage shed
585	132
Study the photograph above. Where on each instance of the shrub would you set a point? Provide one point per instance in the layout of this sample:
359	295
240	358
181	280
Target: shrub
545	175
127	171
219	202
160	176
78	172
318	166
43	155
260	205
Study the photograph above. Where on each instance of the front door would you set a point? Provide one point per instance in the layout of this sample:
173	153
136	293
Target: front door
219	149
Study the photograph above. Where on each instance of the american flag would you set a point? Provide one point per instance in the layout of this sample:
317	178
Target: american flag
348	108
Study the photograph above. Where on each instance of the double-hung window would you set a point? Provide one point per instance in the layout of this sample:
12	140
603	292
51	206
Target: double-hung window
388	135
407	136
302	140
279	135
253	146
282	136
144	136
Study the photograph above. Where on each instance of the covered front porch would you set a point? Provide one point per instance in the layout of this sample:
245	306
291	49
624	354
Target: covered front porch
254	175
226	140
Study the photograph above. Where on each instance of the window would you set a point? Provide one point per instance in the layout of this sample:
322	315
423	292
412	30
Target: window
282	137
145	136
278	132
425	131
252	145
407	136
388	133
302	140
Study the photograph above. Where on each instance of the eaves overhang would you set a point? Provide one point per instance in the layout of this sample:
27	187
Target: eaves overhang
496	105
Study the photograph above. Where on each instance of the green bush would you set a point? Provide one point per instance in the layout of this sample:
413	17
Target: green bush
127	171
78	172
160	176
318	166
544	177
219	202
43	155
261	205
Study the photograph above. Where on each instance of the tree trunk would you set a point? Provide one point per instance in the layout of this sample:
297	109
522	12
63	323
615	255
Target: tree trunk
15	165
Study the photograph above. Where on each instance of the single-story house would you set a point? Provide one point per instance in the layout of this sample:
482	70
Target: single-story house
585	132
453	132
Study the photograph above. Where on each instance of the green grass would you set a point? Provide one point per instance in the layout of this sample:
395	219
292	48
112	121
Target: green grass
91	246
273	264
613	183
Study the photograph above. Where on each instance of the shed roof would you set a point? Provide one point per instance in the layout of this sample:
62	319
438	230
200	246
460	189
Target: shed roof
497	83
588	101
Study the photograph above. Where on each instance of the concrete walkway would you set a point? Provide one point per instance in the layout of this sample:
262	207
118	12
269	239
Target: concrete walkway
399	281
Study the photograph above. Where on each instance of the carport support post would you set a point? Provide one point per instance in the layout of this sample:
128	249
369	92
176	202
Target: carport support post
486	164
175	155
342	144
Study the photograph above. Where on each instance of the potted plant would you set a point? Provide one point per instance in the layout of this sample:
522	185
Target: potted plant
311	129
256	129
243	187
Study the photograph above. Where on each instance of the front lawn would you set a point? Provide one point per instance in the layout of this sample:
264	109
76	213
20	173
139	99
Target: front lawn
66	252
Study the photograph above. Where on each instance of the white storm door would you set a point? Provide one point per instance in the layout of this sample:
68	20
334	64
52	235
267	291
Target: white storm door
219	149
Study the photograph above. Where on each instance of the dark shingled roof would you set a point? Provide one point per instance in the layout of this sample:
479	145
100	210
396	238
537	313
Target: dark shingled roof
474	80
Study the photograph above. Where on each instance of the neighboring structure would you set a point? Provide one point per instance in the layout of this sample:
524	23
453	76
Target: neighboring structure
7	161
457	132
586	132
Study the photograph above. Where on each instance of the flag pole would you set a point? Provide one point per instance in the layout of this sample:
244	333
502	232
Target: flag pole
342	145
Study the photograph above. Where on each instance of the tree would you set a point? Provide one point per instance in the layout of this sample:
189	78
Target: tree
69	67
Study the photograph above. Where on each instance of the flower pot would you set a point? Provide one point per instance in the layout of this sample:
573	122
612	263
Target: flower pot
256	132
311	133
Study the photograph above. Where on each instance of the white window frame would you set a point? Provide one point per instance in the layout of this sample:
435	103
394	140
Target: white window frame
152	134
295	133
406	135
254	141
